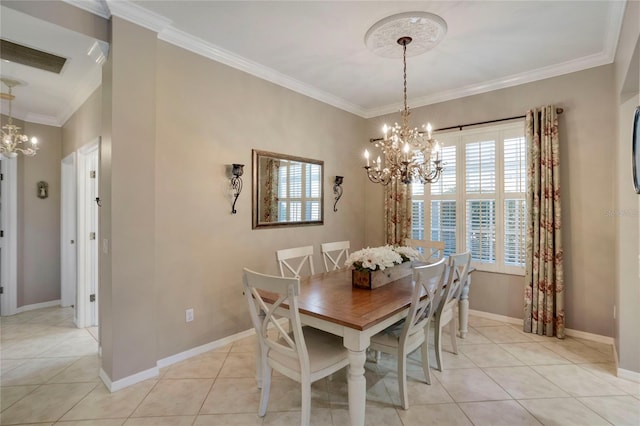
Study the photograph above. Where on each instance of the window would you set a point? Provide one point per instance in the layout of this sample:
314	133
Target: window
478	204
294	204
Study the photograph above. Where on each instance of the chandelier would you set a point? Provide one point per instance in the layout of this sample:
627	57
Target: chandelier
12	139
407	151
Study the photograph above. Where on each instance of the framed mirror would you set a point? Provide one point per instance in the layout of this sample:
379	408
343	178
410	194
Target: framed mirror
287	190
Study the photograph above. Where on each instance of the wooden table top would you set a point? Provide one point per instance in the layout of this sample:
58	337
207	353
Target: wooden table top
331	297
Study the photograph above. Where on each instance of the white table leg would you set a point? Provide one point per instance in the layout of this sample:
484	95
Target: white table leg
463	308
357	386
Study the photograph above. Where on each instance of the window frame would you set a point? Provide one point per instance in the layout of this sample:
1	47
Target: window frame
499	133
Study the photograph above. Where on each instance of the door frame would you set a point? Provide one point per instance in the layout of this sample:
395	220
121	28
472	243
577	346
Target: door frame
87	260
9	253
68	229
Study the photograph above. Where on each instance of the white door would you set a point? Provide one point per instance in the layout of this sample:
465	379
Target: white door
8	235
87	237
68	264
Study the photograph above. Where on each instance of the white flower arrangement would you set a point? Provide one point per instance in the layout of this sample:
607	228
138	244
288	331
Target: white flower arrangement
380	258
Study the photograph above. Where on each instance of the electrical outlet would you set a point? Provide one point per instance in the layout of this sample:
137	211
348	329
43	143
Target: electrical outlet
189	315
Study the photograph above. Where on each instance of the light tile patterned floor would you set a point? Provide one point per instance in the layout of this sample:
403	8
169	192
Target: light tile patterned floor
501	376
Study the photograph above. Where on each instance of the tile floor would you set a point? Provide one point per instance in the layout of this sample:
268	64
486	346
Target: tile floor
501	376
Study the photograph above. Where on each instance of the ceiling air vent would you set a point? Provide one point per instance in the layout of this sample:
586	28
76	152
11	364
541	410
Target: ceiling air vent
31	57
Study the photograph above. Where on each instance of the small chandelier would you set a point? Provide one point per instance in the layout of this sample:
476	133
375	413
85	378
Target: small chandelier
12	139
407	151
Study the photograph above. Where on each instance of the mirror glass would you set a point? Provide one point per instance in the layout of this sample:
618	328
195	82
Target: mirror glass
287	190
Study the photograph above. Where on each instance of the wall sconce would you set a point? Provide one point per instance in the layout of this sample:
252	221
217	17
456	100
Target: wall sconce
43	189
236	184
337	190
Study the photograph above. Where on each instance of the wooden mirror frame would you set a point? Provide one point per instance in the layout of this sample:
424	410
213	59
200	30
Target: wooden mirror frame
256	212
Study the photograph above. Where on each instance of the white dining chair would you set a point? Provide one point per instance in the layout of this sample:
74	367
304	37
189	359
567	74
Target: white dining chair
305	354
289	258
431	250
413	332
445	313
334	254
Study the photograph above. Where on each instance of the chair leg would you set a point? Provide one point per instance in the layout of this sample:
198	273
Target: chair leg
424	350
266	386
306	403
402	380
452	331
438	345
378	356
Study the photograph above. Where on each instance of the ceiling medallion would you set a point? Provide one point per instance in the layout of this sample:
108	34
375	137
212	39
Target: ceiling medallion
425	29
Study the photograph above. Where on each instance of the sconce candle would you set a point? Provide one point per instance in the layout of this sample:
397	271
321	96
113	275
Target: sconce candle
337	191
236	184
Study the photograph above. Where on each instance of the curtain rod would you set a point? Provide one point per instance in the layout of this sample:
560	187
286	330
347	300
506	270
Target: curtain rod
460	126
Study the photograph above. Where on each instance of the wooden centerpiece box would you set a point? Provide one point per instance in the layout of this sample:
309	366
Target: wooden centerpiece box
370	280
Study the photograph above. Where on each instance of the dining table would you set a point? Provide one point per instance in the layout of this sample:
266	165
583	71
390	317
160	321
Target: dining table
328	301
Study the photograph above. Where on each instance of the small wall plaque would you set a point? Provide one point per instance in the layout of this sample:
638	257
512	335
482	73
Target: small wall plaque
43	189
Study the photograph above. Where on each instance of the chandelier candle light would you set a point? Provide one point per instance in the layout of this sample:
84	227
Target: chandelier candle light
407	151
12	139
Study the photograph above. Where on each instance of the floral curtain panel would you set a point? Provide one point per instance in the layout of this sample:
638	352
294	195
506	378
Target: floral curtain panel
397	212
269	201
544	286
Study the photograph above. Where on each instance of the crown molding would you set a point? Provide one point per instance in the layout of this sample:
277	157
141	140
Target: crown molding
138	15
47	120
568	67
97	7
196	45
614	25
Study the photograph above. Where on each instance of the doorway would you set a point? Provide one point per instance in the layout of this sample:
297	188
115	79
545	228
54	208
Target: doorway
68	255
87	235
8	235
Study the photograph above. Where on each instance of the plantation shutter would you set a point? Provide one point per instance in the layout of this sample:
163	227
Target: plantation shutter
514	201
480	178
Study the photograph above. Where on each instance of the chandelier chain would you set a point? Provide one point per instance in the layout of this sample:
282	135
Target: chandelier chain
405	111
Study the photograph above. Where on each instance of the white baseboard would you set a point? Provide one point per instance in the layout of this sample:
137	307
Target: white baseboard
41	305
495	317
129	380
629	375
164	362
569	332
589	336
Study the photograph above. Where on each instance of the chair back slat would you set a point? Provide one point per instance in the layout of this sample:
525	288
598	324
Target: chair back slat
459	270
333	253
429	279
264	316
431	250
302	255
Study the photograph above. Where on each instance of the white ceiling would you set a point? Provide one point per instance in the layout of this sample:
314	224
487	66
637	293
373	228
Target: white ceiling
317	47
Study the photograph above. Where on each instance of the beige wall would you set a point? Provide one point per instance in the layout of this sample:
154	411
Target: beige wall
84	126
627	217
166	206
209	116
39	219
127	217
587	133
